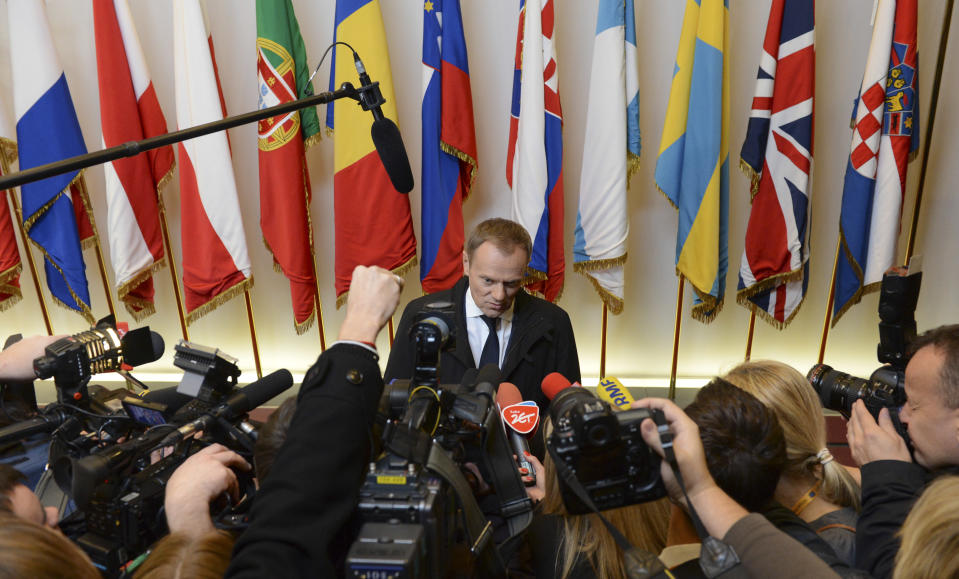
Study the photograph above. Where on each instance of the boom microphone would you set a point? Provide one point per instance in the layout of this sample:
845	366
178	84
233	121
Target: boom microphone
520	420
384	132
554	382
612	390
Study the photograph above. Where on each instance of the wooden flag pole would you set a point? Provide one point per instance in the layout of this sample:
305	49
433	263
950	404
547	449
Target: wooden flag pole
107	289
256	347
391	331
679	318
602	345
933	105
749	334
173	276
319	304
829	303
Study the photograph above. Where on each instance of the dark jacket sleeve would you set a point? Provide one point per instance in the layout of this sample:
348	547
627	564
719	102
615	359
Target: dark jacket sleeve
312	488
889	489
765	551
400	363
566	344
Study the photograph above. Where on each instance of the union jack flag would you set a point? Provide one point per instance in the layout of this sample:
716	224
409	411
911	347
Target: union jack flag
777	155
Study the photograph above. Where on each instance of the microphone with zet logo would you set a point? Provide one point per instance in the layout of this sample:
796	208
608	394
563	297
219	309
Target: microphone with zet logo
520	420
612	390
554	382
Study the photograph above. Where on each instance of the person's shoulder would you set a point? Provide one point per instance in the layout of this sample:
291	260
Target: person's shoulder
541	306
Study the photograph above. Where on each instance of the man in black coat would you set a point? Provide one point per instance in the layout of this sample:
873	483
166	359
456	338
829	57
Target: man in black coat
531	337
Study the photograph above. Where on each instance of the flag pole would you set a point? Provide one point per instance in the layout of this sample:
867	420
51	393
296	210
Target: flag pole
26	248
173	277
107	289
749	334
829	303
602	345
679	318
256	347
391	331
933	105
319	304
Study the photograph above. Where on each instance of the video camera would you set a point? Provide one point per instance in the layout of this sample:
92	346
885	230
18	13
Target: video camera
885	388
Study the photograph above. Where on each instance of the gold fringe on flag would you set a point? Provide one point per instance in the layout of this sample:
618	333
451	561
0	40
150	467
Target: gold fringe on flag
222	298
7	287
753	178
613	303
400	271
147	308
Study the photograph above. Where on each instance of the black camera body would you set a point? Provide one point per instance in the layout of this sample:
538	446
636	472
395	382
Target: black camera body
605	451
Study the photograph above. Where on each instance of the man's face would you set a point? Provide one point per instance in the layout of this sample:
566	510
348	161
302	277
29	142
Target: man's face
495	277
933	427
26	505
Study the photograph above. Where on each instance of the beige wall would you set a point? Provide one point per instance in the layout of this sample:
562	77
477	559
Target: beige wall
640	340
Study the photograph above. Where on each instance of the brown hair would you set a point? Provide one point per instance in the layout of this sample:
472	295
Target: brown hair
506	235
794	402
271	437
644	524
9	478
946	341
930	535
744	443
31	550
182	555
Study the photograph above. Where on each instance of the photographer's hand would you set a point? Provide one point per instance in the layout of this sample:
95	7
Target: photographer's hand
195	483
870	441
16	362
374	295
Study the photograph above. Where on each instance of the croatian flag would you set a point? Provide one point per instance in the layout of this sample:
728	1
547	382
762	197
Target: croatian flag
777	155
885	136
534	162
48	131
449	144
610	154
216	266
130	111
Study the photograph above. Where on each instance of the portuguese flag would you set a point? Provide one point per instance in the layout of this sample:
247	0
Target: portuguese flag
284	179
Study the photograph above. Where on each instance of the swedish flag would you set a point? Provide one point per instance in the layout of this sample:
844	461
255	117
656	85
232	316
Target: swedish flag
692	168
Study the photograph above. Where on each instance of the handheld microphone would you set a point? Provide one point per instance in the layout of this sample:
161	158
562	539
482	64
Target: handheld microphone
236	405
520	420
554	382
612	390
384	132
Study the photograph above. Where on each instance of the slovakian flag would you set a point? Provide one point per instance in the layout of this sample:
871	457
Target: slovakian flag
610	153
283	73
216	265
373	222
48	131
692	168
777	155
534	156
130	111
10	265
449	144
885	136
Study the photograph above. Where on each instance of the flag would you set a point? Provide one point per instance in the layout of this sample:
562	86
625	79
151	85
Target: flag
885	135
692	168
534	161
777	155
48	131
449	144
10	265
610	153
285	194
216	266
130	111
373	222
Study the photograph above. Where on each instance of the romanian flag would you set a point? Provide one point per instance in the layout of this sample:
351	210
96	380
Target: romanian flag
610	153
48	131
534	162
449	144
130	111
216	266
10	266
373	222
283	74
692	169
777	155
885	137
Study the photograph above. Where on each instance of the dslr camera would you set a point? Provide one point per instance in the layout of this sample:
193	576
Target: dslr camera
604	450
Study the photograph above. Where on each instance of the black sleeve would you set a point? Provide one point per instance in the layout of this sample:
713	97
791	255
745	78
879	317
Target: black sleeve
567	355
400	363
889	489
312	488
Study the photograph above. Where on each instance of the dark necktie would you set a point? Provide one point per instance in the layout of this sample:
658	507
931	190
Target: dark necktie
490	353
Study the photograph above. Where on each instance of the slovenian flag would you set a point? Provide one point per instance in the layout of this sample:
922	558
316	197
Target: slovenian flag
48	131
449	144
216	266
534	161
777	155
610	153
885	135
130	111
692	168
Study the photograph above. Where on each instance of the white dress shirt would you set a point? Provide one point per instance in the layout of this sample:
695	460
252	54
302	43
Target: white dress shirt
478	331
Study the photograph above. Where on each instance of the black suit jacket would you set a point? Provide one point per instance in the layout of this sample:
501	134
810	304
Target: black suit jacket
541	342
299	514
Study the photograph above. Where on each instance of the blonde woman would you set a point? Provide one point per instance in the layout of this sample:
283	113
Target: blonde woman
814	486
930	535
